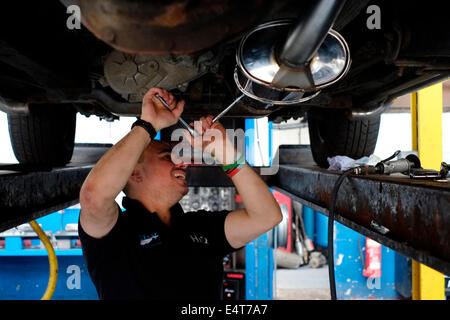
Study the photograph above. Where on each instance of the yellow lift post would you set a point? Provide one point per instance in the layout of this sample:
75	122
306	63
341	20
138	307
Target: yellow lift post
426	115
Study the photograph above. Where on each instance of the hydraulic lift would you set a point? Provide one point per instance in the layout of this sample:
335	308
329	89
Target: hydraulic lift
406	215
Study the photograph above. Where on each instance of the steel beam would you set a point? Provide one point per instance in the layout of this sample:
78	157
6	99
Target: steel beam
28	196
409	216
29	192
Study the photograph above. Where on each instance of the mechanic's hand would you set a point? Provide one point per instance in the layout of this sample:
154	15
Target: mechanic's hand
155	112
214	140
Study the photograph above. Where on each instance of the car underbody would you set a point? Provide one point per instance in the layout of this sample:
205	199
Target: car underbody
189	47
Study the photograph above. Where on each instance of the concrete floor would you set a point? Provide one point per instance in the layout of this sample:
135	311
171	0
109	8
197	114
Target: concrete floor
304	283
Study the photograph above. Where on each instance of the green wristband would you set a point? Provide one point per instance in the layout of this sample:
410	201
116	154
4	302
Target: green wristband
237	163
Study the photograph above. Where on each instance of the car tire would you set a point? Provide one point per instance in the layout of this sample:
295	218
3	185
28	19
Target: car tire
45	136
331	133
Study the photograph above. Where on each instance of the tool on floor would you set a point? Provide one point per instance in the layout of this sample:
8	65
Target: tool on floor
184	123
317	260
298	245
307	242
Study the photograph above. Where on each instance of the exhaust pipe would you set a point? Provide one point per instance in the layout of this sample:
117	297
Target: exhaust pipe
311	29
303	42
311	57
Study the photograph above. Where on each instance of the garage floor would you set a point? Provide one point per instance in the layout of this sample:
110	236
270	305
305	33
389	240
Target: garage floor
304	283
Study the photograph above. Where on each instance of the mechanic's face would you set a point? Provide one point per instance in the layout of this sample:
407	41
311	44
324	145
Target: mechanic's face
161	174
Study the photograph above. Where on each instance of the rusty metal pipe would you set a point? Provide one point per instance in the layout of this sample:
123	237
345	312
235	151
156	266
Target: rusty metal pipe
13	107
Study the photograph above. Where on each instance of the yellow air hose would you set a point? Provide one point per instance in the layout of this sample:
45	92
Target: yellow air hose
53	277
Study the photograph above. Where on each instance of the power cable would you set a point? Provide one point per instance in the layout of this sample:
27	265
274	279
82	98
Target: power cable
384	167
334	195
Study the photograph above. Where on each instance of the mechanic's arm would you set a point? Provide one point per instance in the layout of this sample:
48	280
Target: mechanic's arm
261	211
111	173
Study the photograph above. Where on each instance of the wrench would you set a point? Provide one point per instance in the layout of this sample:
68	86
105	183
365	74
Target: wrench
184	123
220	115
228	108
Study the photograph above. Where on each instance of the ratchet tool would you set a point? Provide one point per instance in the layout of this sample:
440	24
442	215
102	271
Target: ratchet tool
184	123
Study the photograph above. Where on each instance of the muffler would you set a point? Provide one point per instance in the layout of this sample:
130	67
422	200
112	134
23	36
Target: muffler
286	62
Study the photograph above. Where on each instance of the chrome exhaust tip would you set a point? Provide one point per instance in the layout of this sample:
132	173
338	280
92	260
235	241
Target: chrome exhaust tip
259	66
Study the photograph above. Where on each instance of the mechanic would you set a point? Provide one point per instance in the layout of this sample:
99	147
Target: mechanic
153	250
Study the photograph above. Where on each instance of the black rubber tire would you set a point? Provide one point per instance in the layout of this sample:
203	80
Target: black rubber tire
44	137
331	133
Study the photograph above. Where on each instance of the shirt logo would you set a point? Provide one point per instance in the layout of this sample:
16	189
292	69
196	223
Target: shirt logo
199	239
149	241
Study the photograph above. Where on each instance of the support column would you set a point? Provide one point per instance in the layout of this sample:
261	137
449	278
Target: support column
426	116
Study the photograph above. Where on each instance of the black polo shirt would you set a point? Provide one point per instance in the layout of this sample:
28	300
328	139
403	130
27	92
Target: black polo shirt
142	258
